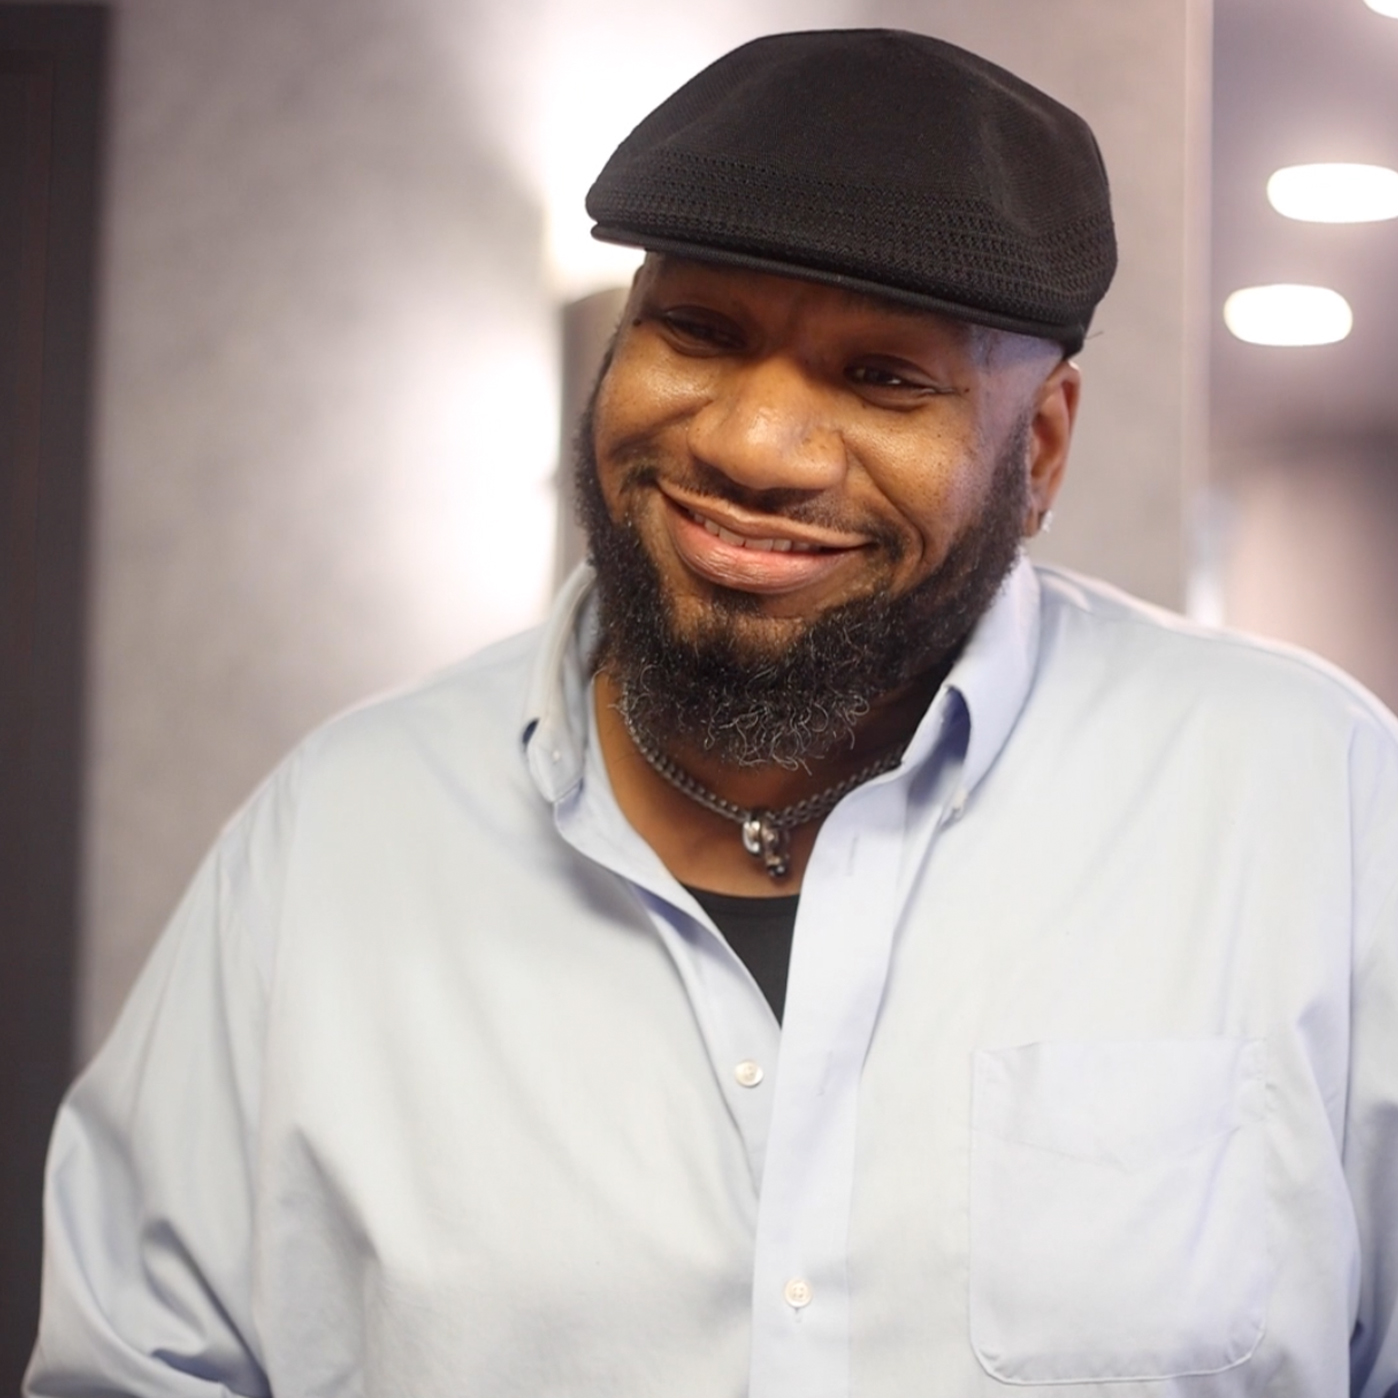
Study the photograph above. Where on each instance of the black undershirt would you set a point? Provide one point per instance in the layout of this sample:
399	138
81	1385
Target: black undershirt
759	930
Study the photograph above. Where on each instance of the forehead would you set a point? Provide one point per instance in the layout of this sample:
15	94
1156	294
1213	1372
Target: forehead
741	290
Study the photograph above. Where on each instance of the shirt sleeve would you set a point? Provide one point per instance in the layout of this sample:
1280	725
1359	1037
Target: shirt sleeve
148	1208
1371	1127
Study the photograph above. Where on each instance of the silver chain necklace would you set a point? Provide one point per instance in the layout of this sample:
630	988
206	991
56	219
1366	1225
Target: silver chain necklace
766	834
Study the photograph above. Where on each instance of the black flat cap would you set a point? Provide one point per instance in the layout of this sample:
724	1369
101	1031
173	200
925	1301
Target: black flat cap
882	161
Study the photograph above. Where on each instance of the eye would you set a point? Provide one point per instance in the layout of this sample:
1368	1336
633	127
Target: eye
694	329
876	376
893	381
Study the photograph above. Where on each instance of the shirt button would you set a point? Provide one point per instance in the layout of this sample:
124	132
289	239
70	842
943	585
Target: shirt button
797	1292
748	1073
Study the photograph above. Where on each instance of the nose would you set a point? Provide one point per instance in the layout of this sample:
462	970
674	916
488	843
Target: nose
768	427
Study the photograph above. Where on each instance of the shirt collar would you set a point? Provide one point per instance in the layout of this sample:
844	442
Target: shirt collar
995	671
554	731
992	678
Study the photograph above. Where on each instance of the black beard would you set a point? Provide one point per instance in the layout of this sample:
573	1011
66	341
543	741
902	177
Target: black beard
751	704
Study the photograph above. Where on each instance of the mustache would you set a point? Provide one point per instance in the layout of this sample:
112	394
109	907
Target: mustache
642	470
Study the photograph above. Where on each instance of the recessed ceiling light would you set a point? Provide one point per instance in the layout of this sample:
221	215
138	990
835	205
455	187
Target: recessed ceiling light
1288	315
1335	193
1384	7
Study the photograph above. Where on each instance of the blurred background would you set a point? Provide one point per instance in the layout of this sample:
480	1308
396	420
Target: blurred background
297	296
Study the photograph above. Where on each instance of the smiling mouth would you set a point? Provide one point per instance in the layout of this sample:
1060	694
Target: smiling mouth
730	546
739	527
744	542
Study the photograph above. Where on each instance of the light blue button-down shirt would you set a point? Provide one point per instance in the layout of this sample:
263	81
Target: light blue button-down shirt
439	1083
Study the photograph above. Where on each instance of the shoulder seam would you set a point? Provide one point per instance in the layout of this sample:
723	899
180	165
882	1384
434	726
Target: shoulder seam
1128	611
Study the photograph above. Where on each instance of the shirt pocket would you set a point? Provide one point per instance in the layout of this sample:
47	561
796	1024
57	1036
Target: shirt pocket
1118	1209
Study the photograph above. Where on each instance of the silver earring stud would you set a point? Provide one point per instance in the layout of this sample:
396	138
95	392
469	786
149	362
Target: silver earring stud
1045	521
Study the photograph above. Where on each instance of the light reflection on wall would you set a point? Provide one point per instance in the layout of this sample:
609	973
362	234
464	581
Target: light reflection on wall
504	433
559	83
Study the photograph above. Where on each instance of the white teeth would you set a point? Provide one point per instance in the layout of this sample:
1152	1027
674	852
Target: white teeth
761	545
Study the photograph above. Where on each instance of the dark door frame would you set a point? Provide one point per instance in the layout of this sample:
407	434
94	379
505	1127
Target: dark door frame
52	60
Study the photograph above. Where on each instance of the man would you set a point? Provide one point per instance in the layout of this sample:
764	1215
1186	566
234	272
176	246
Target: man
832	956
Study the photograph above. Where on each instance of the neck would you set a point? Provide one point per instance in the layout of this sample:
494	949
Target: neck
890	723
704	849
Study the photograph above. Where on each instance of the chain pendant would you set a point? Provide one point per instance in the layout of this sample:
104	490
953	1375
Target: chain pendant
767	842
765	833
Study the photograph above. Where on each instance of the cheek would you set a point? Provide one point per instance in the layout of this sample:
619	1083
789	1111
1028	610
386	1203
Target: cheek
642	393
936	487
643	409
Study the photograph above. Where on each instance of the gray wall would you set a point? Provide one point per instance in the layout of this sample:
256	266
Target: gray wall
1309	550
328	382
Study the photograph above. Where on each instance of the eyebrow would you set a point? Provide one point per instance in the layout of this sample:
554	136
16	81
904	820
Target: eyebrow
853	298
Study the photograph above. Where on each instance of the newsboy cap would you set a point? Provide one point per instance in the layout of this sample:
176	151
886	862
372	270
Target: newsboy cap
878	160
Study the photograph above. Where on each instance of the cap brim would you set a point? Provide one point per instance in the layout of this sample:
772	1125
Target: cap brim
1070	337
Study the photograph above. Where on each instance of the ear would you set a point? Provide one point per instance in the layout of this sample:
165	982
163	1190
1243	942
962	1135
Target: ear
1050	435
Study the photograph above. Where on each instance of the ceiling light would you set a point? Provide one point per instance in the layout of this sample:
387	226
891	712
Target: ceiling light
1335	193
1288	315
1384	7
